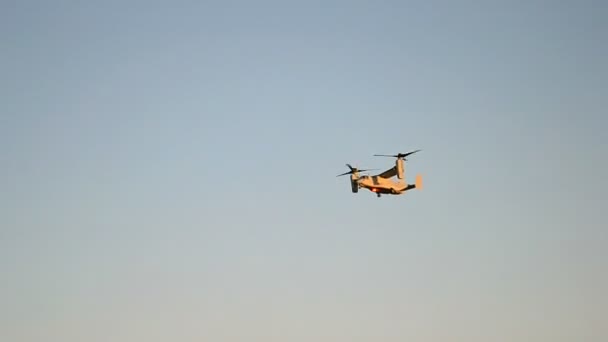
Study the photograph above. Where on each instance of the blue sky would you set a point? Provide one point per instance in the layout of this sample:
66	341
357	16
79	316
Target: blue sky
168	171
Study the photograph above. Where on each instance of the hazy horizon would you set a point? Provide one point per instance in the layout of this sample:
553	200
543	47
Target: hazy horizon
168	171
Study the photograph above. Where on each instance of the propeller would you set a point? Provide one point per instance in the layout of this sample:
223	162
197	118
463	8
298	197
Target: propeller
400	155
353	170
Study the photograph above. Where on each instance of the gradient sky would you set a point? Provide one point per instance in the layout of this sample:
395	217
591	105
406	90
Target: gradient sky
168	171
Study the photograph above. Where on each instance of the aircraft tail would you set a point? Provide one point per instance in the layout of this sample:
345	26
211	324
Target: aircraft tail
416	185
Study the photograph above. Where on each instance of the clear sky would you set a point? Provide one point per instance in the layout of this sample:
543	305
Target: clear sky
168	171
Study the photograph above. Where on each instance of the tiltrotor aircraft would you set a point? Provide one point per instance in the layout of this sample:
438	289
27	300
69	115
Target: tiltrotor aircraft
382	182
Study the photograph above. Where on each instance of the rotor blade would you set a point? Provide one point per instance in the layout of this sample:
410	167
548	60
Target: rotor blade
353	170
400	155
407	154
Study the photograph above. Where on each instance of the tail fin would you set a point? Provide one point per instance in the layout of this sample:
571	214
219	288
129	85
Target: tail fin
419	182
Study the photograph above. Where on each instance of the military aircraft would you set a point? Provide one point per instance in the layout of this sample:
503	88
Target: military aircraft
382	182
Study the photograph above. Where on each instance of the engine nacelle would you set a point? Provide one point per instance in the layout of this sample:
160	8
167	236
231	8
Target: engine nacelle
400	168
354	184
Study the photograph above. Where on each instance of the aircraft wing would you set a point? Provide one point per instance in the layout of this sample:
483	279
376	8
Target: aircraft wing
388	173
